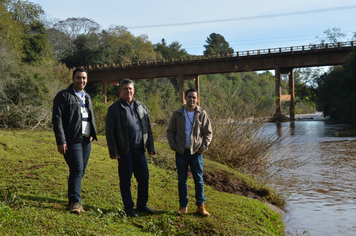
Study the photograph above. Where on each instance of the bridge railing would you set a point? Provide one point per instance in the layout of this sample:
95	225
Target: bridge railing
292	49
302	48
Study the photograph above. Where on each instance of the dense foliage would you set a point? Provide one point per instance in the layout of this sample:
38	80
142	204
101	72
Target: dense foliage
216	44
337	92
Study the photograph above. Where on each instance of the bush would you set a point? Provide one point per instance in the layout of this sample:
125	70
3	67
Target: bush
100	111
241	145
26	117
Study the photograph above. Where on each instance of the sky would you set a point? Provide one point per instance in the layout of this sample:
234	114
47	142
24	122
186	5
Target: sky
245	25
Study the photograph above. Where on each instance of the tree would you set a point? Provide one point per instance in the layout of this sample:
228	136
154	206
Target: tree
216	43
337	91
333	36
120	46
37	47
86	51
306	86
24	12
64	33
11	32
170	51
24	32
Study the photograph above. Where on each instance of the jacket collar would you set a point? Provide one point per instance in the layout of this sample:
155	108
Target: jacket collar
181	109
72	90
122	101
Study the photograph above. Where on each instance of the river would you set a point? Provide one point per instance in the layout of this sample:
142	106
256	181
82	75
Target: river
321	193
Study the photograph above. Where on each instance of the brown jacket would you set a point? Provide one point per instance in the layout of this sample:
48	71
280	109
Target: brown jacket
201	135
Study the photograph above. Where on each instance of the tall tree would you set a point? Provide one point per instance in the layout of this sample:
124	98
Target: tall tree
64	33
173	50
333	36
24	12
337	91
33	37
11	32
216	43
120	46
86	51
37	46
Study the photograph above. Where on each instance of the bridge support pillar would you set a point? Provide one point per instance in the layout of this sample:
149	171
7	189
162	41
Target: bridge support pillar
291	93
181	88
290	96
278	91
103	88
197	87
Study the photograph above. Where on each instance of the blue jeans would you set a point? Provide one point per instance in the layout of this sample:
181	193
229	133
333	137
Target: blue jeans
77	157
195	162
133	162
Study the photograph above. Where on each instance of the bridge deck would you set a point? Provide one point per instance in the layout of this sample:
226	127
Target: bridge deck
255	60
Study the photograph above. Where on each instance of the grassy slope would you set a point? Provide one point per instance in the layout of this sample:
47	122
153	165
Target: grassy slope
31	165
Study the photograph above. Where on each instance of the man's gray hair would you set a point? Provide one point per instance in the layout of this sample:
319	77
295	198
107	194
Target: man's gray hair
126	81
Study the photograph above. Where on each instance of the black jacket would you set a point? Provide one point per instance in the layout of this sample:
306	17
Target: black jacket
67	117
117	132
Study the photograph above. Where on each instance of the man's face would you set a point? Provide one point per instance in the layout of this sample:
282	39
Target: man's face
127	92
192	99
80	81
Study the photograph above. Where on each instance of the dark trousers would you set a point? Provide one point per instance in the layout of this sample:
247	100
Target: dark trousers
134	162
77	157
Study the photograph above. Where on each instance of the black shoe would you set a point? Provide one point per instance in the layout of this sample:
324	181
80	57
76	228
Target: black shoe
145	209
131	212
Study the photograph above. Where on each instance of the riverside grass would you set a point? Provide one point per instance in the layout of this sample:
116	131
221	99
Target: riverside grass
33	201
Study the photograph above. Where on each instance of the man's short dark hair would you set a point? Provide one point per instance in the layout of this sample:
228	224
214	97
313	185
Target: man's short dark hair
191	90
126	81
79	69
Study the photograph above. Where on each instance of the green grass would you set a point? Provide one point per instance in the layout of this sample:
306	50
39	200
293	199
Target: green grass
33	197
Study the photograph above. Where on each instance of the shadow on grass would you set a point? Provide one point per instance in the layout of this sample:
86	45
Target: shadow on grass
62	205
45	202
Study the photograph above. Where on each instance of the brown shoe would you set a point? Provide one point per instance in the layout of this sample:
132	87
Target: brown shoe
82	209
201	211
182	210
75	207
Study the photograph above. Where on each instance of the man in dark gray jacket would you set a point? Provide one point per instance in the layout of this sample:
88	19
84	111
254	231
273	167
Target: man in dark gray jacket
129	134
74	127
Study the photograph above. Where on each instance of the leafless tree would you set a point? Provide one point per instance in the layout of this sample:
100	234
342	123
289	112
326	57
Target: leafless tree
64	32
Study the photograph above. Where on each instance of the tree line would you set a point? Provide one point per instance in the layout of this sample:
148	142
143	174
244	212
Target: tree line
38	53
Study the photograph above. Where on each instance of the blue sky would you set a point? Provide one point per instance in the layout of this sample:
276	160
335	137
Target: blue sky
246	25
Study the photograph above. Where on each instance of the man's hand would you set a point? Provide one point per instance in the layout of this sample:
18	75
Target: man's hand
62	148
115	157
151	153
200	151
91	138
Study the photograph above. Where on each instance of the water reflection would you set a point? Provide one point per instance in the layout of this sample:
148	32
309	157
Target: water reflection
322	192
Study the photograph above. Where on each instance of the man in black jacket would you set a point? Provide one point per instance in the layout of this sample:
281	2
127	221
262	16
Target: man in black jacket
74	127
129	134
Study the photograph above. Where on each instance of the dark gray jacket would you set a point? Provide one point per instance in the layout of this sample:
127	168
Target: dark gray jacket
67	117
117	132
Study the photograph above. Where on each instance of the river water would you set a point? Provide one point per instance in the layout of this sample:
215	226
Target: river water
321	193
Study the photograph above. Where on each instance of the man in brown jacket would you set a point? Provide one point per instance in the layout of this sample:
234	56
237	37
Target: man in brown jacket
189	134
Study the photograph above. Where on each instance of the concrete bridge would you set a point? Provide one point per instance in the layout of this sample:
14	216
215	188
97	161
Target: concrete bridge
283	60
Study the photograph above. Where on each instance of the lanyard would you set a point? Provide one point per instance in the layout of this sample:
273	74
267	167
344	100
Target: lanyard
81	96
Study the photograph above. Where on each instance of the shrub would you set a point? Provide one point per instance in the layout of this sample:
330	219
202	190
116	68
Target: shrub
26	117
100	111
242	145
